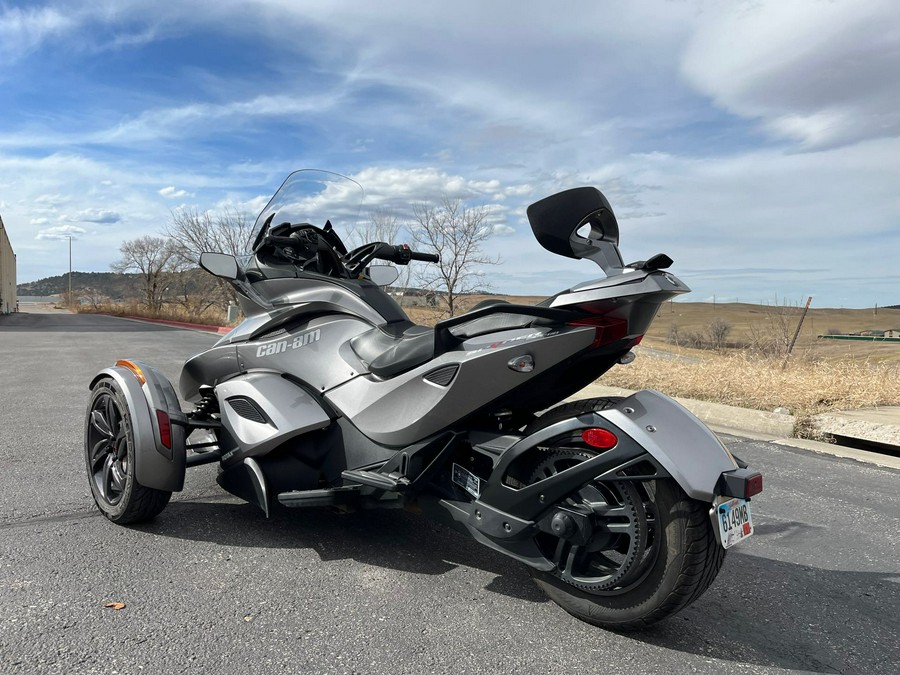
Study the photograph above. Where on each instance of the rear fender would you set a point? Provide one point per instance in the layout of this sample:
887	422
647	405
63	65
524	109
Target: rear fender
646	423
156	466
684	446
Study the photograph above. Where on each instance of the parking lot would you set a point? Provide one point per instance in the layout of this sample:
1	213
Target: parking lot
212	585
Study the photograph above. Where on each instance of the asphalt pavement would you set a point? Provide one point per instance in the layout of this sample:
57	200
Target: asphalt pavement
212	586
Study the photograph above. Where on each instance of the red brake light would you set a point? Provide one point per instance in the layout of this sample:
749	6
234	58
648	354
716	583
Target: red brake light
606	329
599	438
165	428
753	486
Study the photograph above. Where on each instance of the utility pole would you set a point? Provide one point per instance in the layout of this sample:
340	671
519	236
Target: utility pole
797	333
70	271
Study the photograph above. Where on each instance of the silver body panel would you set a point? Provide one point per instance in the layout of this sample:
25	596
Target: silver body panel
289	409
691	453
407	408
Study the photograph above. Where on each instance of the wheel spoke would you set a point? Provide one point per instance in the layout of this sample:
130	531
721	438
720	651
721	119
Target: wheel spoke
105	482
620	528
120	445
100	423
570	562
115	417
118	477
98	452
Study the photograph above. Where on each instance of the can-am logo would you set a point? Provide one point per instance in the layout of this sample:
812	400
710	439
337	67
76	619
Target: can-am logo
283	345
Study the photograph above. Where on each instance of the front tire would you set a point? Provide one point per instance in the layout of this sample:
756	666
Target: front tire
109	453
665	558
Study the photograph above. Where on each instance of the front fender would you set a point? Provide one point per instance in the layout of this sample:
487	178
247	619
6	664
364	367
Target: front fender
156	466
691	453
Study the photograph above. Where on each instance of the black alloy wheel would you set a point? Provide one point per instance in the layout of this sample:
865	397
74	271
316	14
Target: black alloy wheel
109	452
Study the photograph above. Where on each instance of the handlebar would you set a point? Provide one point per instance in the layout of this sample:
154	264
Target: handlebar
402	254
426	257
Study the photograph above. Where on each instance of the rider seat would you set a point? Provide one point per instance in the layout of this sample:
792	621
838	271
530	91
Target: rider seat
393	348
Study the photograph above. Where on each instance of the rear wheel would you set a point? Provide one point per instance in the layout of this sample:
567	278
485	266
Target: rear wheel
109	453
652	550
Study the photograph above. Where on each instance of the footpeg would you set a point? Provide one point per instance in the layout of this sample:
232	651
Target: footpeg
392	482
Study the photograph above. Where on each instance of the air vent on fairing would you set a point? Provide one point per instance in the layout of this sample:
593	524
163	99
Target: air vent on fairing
247	409
442	376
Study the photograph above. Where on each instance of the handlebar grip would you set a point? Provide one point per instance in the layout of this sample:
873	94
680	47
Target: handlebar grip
425	257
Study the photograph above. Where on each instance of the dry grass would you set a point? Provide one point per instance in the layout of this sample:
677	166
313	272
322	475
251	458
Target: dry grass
821	376
170	312
805	387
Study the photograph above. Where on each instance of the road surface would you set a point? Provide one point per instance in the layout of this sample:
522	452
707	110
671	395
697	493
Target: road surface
212	586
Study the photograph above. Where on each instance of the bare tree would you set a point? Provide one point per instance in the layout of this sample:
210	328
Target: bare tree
454	233
718	330
151	258
773	336
382	225
193	233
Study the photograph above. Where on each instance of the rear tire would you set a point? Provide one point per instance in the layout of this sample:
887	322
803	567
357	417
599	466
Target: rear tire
109	453
681	560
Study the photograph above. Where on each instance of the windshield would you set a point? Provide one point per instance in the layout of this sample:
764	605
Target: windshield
311	196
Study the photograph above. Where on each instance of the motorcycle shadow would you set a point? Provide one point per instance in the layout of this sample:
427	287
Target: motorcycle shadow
391	539
787	615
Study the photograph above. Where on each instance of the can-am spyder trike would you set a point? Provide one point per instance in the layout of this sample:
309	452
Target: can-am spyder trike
327	395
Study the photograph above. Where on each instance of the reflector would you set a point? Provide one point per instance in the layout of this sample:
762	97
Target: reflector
165	428
754	485
134	368
599	438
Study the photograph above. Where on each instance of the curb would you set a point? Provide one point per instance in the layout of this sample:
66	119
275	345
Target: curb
207	328
756	424
844	452
766	425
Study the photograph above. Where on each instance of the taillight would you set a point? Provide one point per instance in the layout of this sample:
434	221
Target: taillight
606	329
165	428
743	483
599	438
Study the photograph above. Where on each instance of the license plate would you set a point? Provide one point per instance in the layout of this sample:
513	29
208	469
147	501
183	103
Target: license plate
735	522
467	480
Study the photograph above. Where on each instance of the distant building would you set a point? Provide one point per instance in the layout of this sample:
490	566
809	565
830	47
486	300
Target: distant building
892	333
7	273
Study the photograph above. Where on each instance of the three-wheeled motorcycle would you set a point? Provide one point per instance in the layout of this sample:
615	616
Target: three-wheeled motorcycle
327	395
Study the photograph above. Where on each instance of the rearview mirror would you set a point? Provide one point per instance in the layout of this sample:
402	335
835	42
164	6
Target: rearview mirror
220	264
383	275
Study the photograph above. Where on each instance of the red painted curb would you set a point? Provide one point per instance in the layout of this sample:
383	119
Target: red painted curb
180	324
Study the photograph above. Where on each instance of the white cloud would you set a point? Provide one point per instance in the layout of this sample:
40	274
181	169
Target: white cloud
22	30
821	73
61	232
92	215
171	193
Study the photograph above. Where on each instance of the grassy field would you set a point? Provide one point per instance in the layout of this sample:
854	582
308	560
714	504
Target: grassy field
821	375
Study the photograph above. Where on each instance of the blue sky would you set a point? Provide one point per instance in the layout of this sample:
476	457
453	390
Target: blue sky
757	143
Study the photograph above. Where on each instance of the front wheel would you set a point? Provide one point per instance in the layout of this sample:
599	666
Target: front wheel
109	453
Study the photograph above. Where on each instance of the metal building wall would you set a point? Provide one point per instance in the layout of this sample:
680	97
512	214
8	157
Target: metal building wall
7	273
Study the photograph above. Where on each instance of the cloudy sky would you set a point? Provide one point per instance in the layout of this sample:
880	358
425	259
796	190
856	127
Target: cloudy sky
757	143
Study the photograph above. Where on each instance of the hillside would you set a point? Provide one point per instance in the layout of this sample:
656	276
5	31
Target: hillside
751	324
111	285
